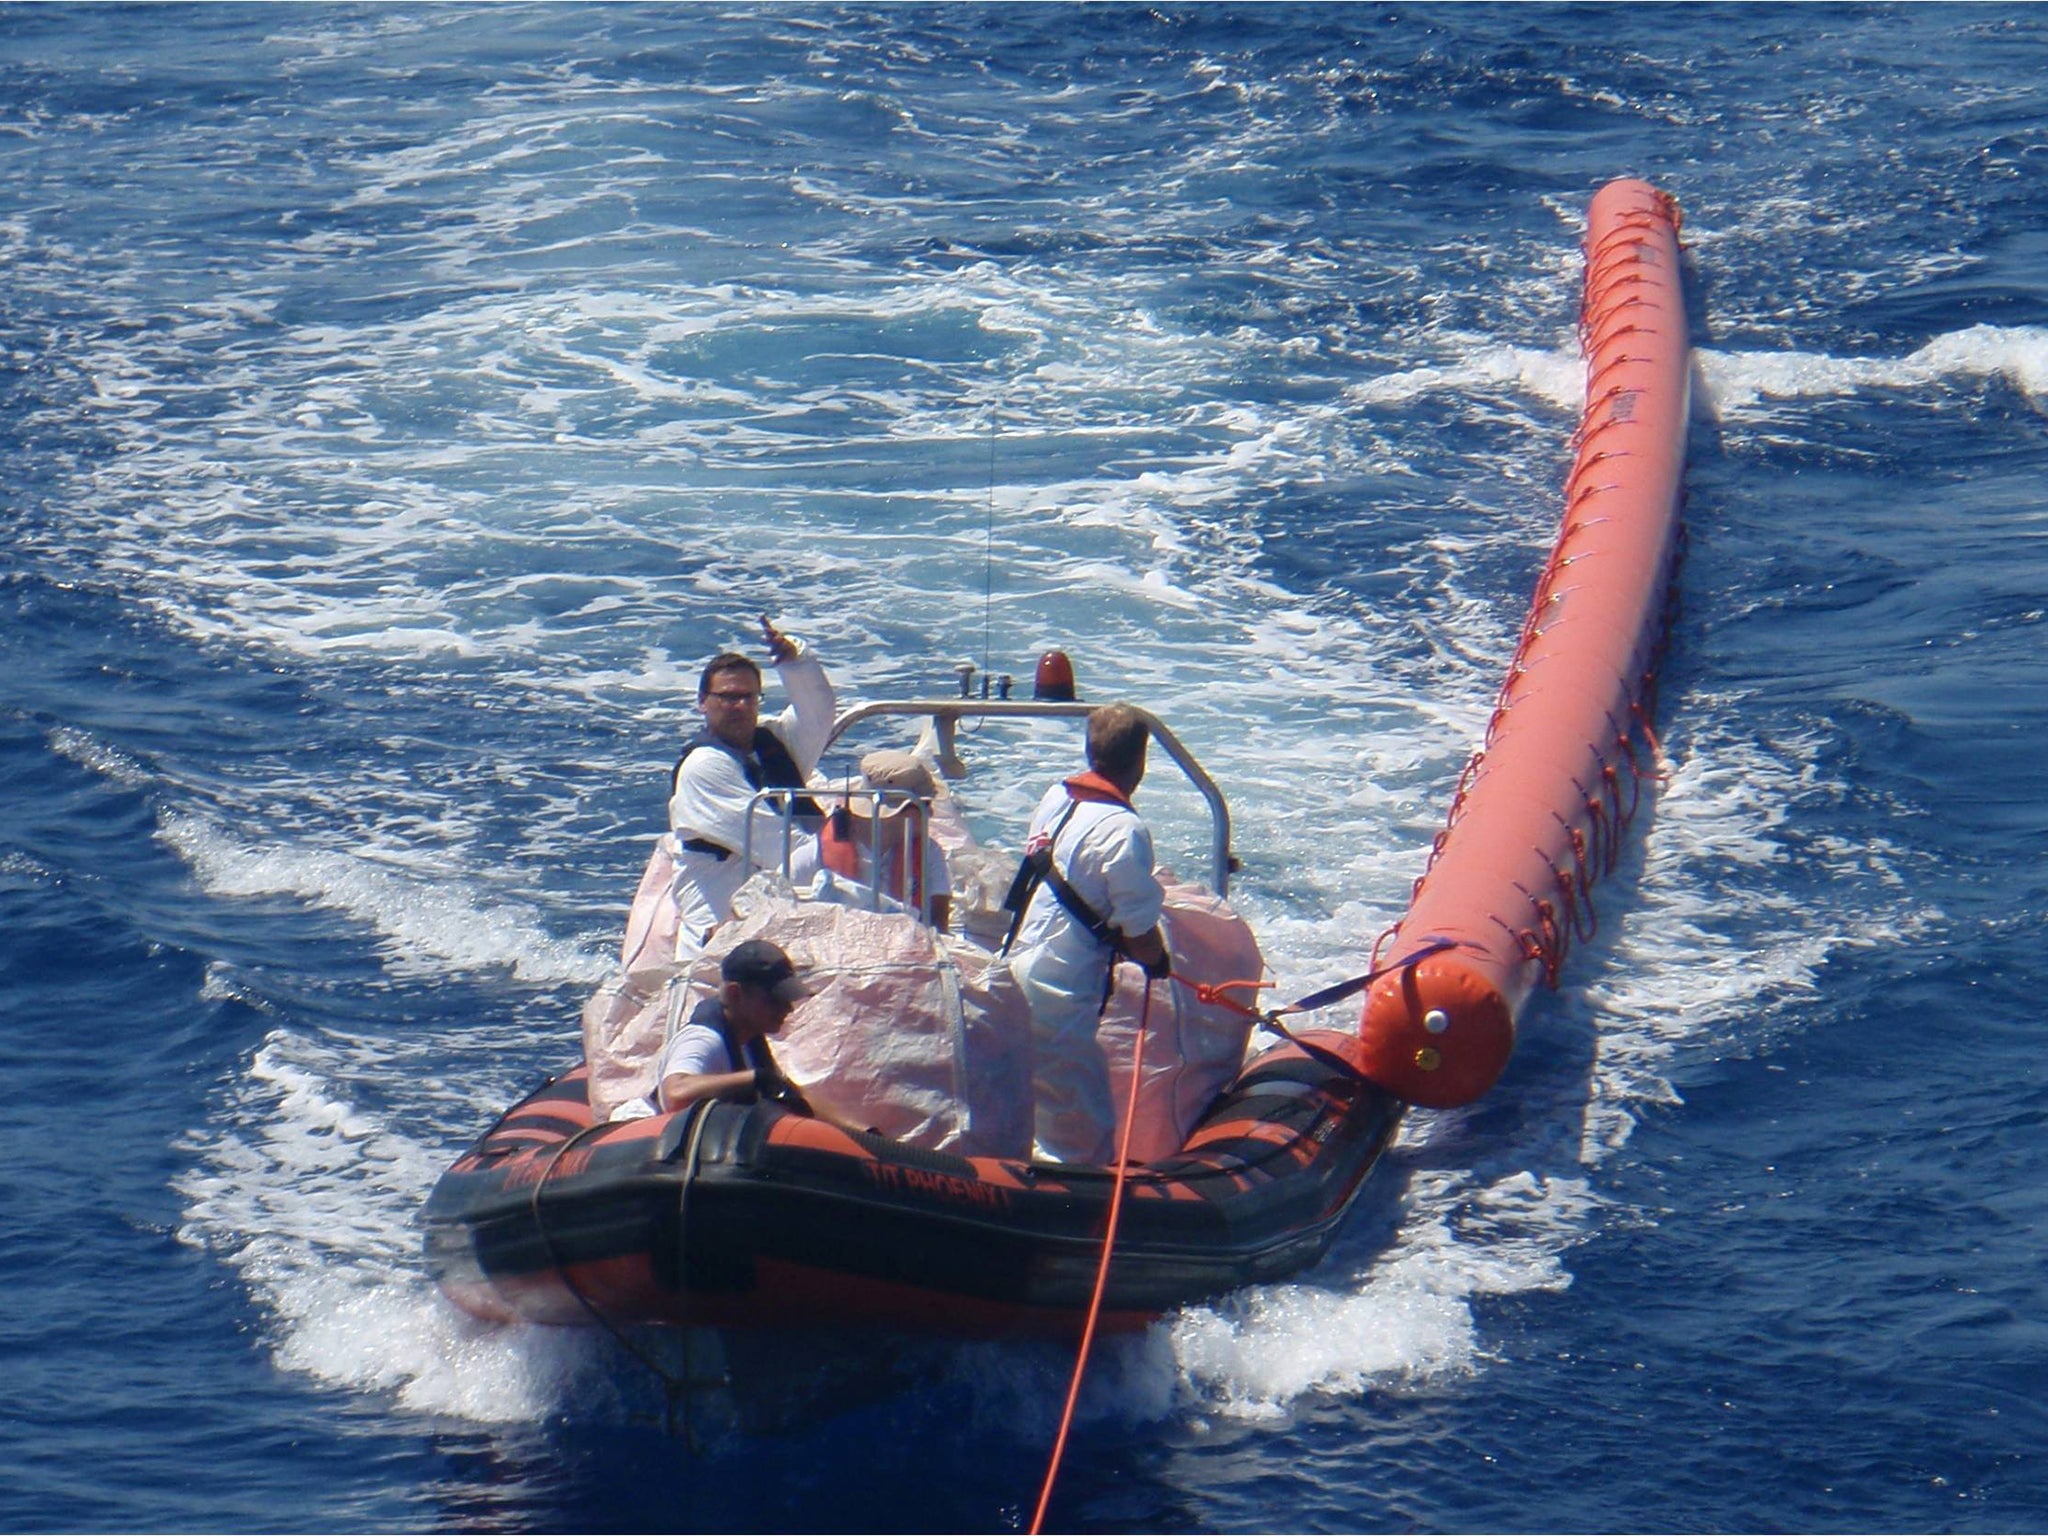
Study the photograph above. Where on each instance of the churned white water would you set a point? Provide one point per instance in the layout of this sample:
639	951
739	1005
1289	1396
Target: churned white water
1336	822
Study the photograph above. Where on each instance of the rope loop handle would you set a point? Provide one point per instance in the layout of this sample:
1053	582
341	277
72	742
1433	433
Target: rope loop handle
1552	940
1627	743
1611	777
1600	836
1657	768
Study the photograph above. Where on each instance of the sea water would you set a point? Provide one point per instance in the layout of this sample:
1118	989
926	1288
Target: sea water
397	404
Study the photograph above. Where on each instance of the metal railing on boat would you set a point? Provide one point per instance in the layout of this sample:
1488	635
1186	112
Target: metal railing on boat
945	716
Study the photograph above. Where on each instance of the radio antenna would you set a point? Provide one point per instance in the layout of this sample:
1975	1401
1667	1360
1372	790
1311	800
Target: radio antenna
988	599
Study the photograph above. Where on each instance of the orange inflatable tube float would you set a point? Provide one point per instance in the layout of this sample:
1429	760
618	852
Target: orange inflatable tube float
1541	806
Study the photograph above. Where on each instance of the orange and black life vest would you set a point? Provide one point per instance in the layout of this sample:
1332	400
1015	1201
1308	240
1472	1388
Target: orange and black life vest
840	842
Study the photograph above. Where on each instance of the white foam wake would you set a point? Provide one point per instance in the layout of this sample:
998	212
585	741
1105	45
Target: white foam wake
1730	382
426	925
311	1200
1743	382
1557	377
1699	944
1404	1319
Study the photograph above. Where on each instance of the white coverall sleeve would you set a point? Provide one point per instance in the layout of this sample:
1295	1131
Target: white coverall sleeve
805	860
1135	896
813	705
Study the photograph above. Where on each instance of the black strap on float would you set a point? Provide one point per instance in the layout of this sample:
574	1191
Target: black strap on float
1357	984
1217	992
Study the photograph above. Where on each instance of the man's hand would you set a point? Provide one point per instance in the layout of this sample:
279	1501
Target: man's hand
1149	950
772	1086
780	647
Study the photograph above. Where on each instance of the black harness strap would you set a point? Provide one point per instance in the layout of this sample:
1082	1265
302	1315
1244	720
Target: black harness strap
1040	868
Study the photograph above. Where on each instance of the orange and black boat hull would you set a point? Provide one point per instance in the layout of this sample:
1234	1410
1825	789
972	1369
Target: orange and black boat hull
743	1215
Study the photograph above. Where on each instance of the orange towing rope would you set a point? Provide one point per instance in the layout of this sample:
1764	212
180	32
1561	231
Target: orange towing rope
1116	1204
1539	811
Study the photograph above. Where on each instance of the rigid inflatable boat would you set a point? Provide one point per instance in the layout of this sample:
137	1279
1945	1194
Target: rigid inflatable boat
738	1215
728	1214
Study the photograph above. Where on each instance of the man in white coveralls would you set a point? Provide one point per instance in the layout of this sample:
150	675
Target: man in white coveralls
1095	897
722	767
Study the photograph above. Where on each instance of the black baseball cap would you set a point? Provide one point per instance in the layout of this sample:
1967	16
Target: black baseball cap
758	964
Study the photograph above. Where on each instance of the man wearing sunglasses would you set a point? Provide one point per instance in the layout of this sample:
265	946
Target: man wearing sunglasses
722	767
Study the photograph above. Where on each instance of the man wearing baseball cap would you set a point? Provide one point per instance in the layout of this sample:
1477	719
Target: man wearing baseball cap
722	1053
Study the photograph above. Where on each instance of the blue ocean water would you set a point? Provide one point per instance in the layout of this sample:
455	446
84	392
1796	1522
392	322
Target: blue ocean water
398	403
